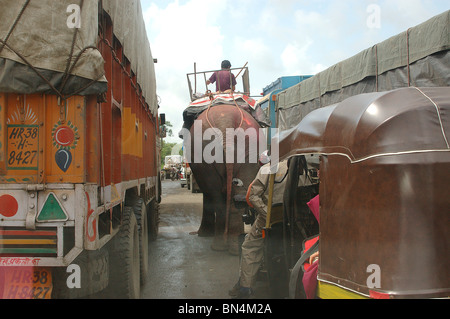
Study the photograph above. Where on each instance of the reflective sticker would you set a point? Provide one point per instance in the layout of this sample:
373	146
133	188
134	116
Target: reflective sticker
8	206
52	210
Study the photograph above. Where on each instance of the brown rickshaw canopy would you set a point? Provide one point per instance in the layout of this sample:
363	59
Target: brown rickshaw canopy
384	189
406	120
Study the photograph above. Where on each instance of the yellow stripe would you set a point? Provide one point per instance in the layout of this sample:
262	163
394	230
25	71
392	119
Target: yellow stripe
27	242
328	291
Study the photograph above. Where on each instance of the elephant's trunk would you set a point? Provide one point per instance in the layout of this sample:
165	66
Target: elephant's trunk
229	168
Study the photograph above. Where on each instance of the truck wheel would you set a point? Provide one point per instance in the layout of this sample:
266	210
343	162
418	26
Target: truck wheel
153	220
94	269
124	258
140	211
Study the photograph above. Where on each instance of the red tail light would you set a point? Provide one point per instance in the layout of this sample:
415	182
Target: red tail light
378	295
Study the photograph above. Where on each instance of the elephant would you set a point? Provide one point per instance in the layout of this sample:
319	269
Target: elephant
224	180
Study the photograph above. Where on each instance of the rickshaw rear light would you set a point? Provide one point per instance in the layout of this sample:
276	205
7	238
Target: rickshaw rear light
379	295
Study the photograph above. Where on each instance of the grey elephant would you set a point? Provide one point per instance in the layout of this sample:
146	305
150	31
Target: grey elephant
223	151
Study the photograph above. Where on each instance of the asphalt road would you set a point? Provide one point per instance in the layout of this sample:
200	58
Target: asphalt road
182	265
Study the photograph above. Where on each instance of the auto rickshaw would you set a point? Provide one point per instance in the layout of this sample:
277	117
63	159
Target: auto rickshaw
384	226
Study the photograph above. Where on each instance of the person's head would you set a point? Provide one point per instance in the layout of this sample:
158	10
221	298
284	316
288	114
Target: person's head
226	64
264	158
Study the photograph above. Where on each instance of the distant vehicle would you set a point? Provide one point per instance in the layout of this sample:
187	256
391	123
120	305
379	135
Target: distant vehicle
172	162
182	174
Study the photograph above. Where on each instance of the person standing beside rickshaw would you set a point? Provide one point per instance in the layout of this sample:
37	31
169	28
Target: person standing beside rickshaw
253	245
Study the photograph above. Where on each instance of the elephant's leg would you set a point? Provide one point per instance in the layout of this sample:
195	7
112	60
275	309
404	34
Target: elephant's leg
220	242
235	229
208	218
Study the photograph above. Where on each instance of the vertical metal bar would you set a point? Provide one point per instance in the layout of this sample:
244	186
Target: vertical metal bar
60	241
195	77
270	200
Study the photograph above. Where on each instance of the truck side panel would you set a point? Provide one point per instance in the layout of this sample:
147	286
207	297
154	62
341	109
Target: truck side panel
42	142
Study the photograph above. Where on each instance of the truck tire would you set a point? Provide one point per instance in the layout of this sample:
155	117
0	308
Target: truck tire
124	281
94	270
140	211
153	220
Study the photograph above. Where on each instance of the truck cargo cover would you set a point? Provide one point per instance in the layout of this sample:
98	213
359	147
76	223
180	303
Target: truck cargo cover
37	38
417	57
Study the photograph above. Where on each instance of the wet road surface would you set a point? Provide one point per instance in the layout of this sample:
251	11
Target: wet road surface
182	264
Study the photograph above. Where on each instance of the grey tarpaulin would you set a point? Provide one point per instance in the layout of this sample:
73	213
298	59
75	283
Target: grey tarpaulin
35	33
417	57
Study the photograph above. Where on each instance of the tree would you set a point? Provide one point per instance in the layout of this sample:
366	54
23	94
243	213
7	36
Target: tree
166	148
169	126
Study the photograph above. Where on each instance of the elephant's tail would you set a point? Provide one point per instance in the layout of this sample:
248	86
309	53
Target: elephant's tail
229	169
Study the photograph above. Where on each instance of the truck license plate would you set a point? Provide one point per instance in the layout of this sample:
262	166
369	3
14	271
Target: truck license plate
23	147
25	283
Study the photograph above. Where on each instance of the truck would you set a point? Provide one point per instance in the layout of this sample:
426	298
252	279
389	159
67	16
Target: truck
172	164
79	149
190	181
268	101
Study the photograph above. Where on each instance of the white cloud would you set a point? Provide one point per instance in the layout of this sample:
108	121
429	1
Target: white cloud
181	34
403	14
296	59
275	37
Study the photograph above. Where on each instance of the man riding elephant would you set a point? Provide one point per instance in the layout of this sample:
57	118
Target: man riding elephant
224	79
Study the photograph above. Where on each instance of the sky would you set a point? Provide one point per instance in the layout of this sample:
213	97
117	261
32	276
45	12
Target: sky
275	38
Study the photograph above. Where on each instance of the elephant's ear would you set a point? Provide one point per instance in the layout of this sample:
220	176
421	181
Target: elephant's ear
247	197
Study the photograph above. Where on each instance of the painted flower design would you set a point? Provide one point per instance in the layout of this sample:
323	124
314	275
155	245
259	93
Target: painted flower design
65	137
